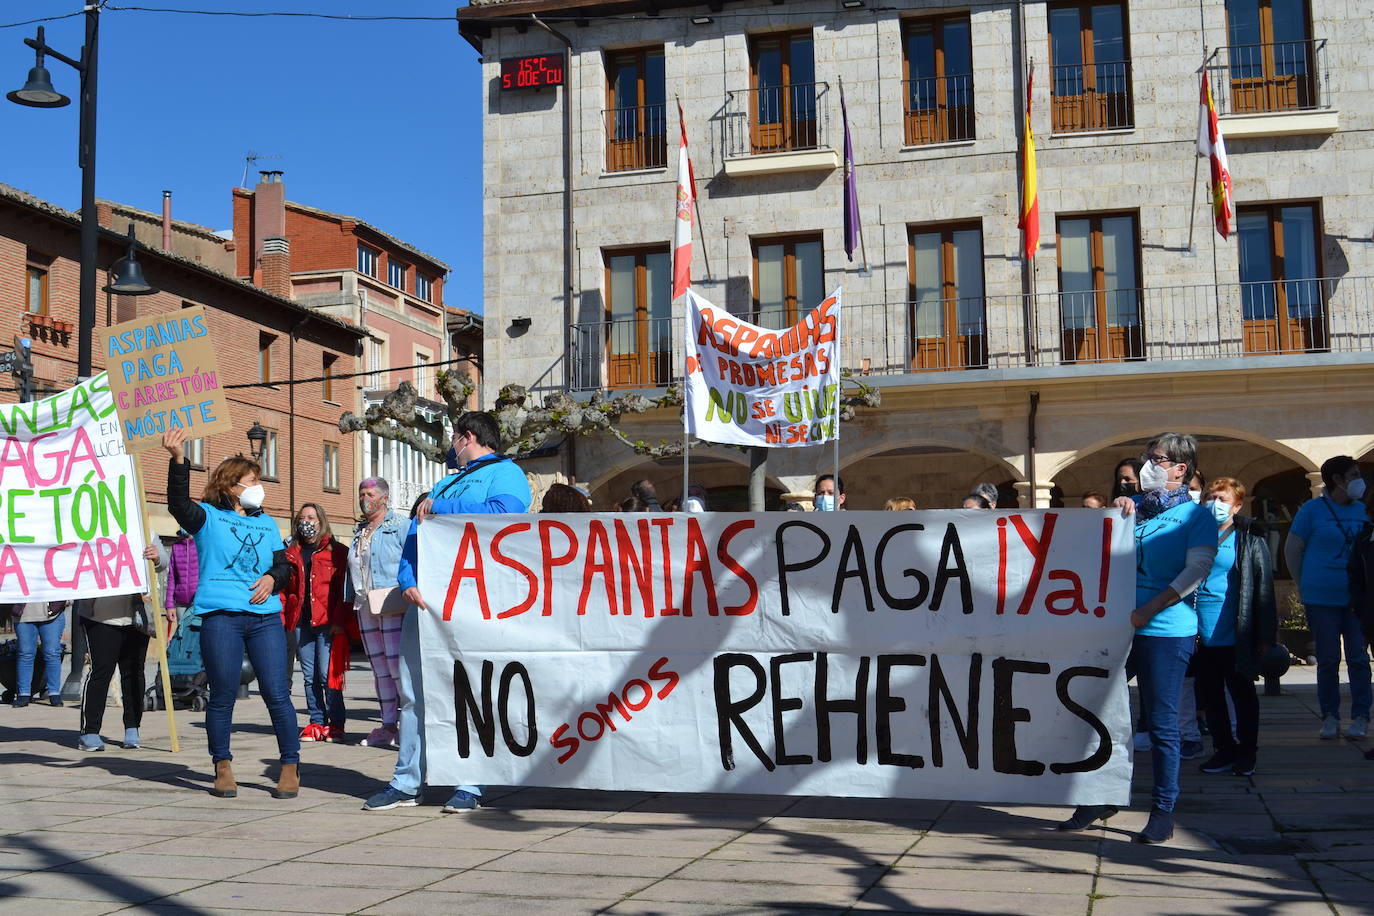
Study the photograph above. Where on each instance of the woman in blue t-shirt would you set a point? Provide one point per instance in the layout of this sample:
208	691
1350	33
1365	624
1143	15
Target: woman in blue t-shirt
1176	542
1318	553
1237	623
242	564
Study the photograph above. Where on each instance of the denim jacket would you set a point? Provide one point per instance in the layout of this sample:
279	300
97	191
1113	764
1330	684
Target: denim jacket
387	541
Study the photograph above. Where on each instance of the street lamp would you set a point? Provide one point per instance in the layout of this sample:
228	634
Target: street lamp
256	437
38	92
128	275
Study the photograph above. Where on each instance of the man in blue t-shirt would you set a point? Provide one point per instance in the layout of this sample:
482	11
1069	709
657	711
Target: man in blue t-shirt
485	482
1318	549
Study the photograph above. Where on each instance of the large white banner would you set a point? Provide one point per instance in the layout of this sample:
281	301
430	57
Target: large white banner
748	385
966	655
70	519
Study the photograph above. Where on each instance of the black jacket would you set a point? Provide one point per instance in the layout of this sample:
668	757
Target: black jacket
1252	579
1362	579
191	517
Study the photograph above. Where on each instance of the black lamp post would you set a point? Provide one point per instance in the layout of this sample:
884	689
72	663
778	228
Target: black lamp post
38	92
256	437
128	275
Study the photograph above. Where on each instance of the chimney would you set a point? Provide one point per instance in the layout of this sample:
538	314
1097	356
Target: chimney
166	220
269	214
274	268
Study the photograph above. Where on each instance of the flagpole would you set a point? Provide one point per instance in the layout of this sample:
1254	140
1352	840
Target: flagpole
1197	164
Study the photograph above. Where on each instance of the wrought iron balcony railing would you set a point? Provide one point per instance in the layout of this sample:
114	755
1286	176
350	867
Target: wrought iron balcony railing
777	119
1089	97
636	138
1274	77
939	109
1077	329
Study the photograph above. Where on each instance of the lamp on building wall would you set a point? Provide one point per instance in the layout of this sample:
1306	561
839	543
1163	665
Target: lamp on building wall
852	4
128	274
256	437
701	20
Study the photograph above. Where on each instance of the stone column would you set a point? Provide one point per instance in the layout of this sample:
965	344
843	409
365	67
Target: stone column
1041	497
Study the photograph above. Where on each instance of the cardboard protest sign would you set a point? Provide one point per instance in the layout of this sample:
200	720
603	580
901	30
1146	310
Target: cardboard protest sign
70	524
961	655
748	385
164	375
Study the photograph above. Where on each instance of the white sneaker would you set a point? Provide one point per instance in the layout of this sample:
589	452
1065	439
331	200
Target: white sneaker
1358	729
1331	727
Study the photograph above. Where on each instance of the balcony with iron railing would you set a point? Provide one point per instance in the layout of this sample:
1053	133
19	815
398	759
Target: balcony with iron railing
636	138
1081	332
939	109
1281	76
1091	97
773	129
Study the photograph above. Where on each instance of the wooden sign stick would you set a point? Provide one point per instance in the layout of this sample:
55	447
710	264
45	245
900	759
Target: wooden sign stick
155	599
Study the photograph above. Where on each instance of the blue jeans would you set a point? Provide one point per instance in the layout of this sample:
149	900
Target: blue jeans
224	637
325	706
1330	626
30	635
1160	663
409	773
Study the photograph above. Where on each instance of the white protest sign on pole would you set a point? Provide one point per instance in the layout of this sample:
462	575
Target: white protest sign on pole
748	385
70	518
961	655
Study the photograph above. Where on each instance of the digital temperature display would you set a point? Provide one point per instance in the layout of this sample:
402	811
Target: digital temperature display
532	72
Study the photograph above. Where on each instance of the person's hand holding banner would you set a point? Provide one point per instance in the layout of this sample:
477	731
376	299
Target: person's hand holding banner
172	441
412	595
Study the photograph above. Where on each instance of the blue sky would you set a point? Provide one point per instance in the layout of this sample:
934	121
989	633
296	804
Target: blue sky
380	120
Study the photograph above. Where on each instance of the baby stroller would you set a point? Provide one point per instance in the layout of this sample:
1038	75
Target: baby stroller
190	686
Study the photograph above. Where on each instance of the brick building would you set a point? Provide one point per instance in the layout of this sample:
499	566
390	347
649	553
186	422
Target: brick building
1036	374
339	265
259	337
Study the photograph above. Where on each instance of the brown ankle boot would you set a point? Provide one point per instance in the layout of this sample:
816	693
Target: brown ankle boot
225	787
289	782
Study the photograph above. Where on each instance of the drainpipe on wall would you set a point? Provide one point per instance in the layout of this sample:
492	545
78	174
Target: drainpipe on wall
568	291
291	407
1030	445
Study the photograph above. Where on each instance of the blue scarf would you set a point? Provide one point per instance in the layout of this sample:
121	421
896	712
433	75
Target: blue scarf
1157	502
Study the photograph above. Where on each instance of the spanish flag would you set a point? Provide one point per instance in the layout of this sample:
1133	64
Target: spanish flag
1030	196
1212	146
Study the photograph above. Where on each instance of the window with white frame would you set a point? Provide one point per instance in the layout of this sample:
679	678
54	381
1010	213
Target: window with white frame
424	373
367	260
268	461
396	273
195	452
331	466
424	287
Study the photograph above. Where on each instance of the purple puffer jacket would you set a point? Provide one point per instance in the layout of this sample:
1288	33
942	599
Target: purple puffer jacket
183	574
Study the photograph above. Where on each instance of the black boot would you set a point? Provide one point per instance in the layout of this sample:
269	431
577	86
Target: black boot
1159	828
1085	815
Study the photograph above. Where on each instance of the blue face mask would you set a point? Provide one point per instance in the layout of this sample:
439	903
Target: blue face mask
825	502
1220	511
451	459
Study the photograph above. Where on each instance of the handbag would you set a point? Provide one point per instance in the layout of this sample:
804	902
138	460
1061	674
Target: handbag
384	602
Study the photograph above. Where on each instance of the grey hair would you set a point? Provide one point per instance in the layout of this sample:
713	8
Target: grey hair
377	483
1180	447
987	491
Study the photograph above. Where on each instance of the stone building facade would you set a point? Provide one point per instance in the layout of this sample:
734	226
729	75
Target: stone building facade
1133	316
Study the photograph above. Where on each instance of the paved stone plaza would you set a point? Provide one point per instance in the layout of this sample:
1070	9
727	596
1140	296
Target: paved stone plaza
137	831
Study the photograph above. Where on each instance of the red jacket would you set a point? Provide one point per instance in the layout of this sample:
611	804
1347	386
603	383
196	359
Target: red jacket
328	569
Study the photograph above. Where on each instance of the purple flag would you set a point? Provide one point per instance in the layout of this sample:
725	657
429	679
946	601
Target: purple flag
851	187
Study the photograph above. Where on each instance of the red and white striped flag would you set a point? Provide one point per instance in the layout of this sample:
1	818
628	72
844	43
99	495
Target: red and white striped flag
1212	146
682	219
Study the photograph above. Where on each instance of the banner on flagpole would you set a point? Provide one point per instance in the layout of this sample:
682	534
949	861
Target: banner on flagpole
748	385
70	523
962	655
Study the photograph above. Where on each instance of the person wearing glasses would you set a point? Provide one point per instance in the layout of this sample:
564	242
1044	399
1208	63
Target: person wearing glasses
1176	543
1320	541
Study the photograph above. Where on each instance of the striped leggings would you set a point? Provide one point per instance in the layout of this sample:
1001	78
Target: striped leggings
382	640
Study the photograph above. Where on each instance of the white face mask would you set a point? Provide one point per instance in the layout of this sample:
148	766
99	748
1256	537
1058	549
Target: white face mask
825	502
253	497
1355	488
1152	477
1195	495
